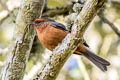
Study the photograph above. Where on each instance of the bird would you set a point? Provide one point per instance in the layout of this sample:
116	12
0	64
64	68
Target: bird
51	33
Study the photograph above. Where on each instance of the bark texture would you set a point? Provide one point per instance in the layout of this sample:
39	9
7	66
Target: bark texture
71	42
23	40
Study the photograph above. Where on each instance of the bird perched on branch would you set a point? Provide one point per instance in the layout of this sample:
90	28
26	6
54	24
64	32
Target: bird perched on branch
51	33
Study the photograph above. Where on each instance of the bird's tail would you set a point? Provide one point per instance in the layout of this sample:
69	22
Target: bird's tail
98	61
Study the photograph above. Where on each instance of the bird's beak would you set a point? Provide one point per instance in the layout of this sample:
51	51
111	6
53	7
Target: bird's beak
32	23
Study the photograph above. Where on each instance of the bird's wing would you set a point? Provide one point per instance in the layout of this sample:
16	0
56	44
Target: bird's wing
61	26
58	25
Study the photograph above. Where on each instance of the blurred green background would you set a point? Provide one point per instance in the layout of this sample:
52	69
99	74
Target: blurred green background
100	37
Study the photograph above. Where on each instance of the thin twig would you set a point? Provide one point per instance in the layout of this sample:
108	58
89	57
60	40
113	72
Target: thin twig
105	20
82	68
57	11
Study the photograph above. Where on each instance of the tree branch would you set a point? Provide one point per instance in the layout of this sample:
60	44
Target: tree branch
23	40
71	42
47	13
116	4
57	11
82	68
105	20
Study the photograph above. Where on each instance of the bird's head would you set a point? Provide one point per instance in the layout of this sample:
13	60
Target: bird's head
40	24
40	21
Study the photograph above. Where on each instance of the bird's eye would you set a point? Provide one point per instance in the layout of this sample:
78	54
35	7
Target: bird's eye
37	22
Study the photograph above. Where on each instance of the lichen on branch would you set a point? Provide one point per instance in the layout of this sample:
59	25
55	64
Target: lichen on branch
23	39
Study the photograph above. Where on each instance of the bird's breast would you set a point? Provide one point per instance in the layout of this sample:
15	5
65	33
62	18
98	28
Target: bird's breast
50	37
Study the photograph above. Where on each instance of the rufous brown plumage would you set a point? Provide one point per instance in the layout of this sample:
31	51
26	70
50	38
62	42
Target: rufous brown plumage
51	33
